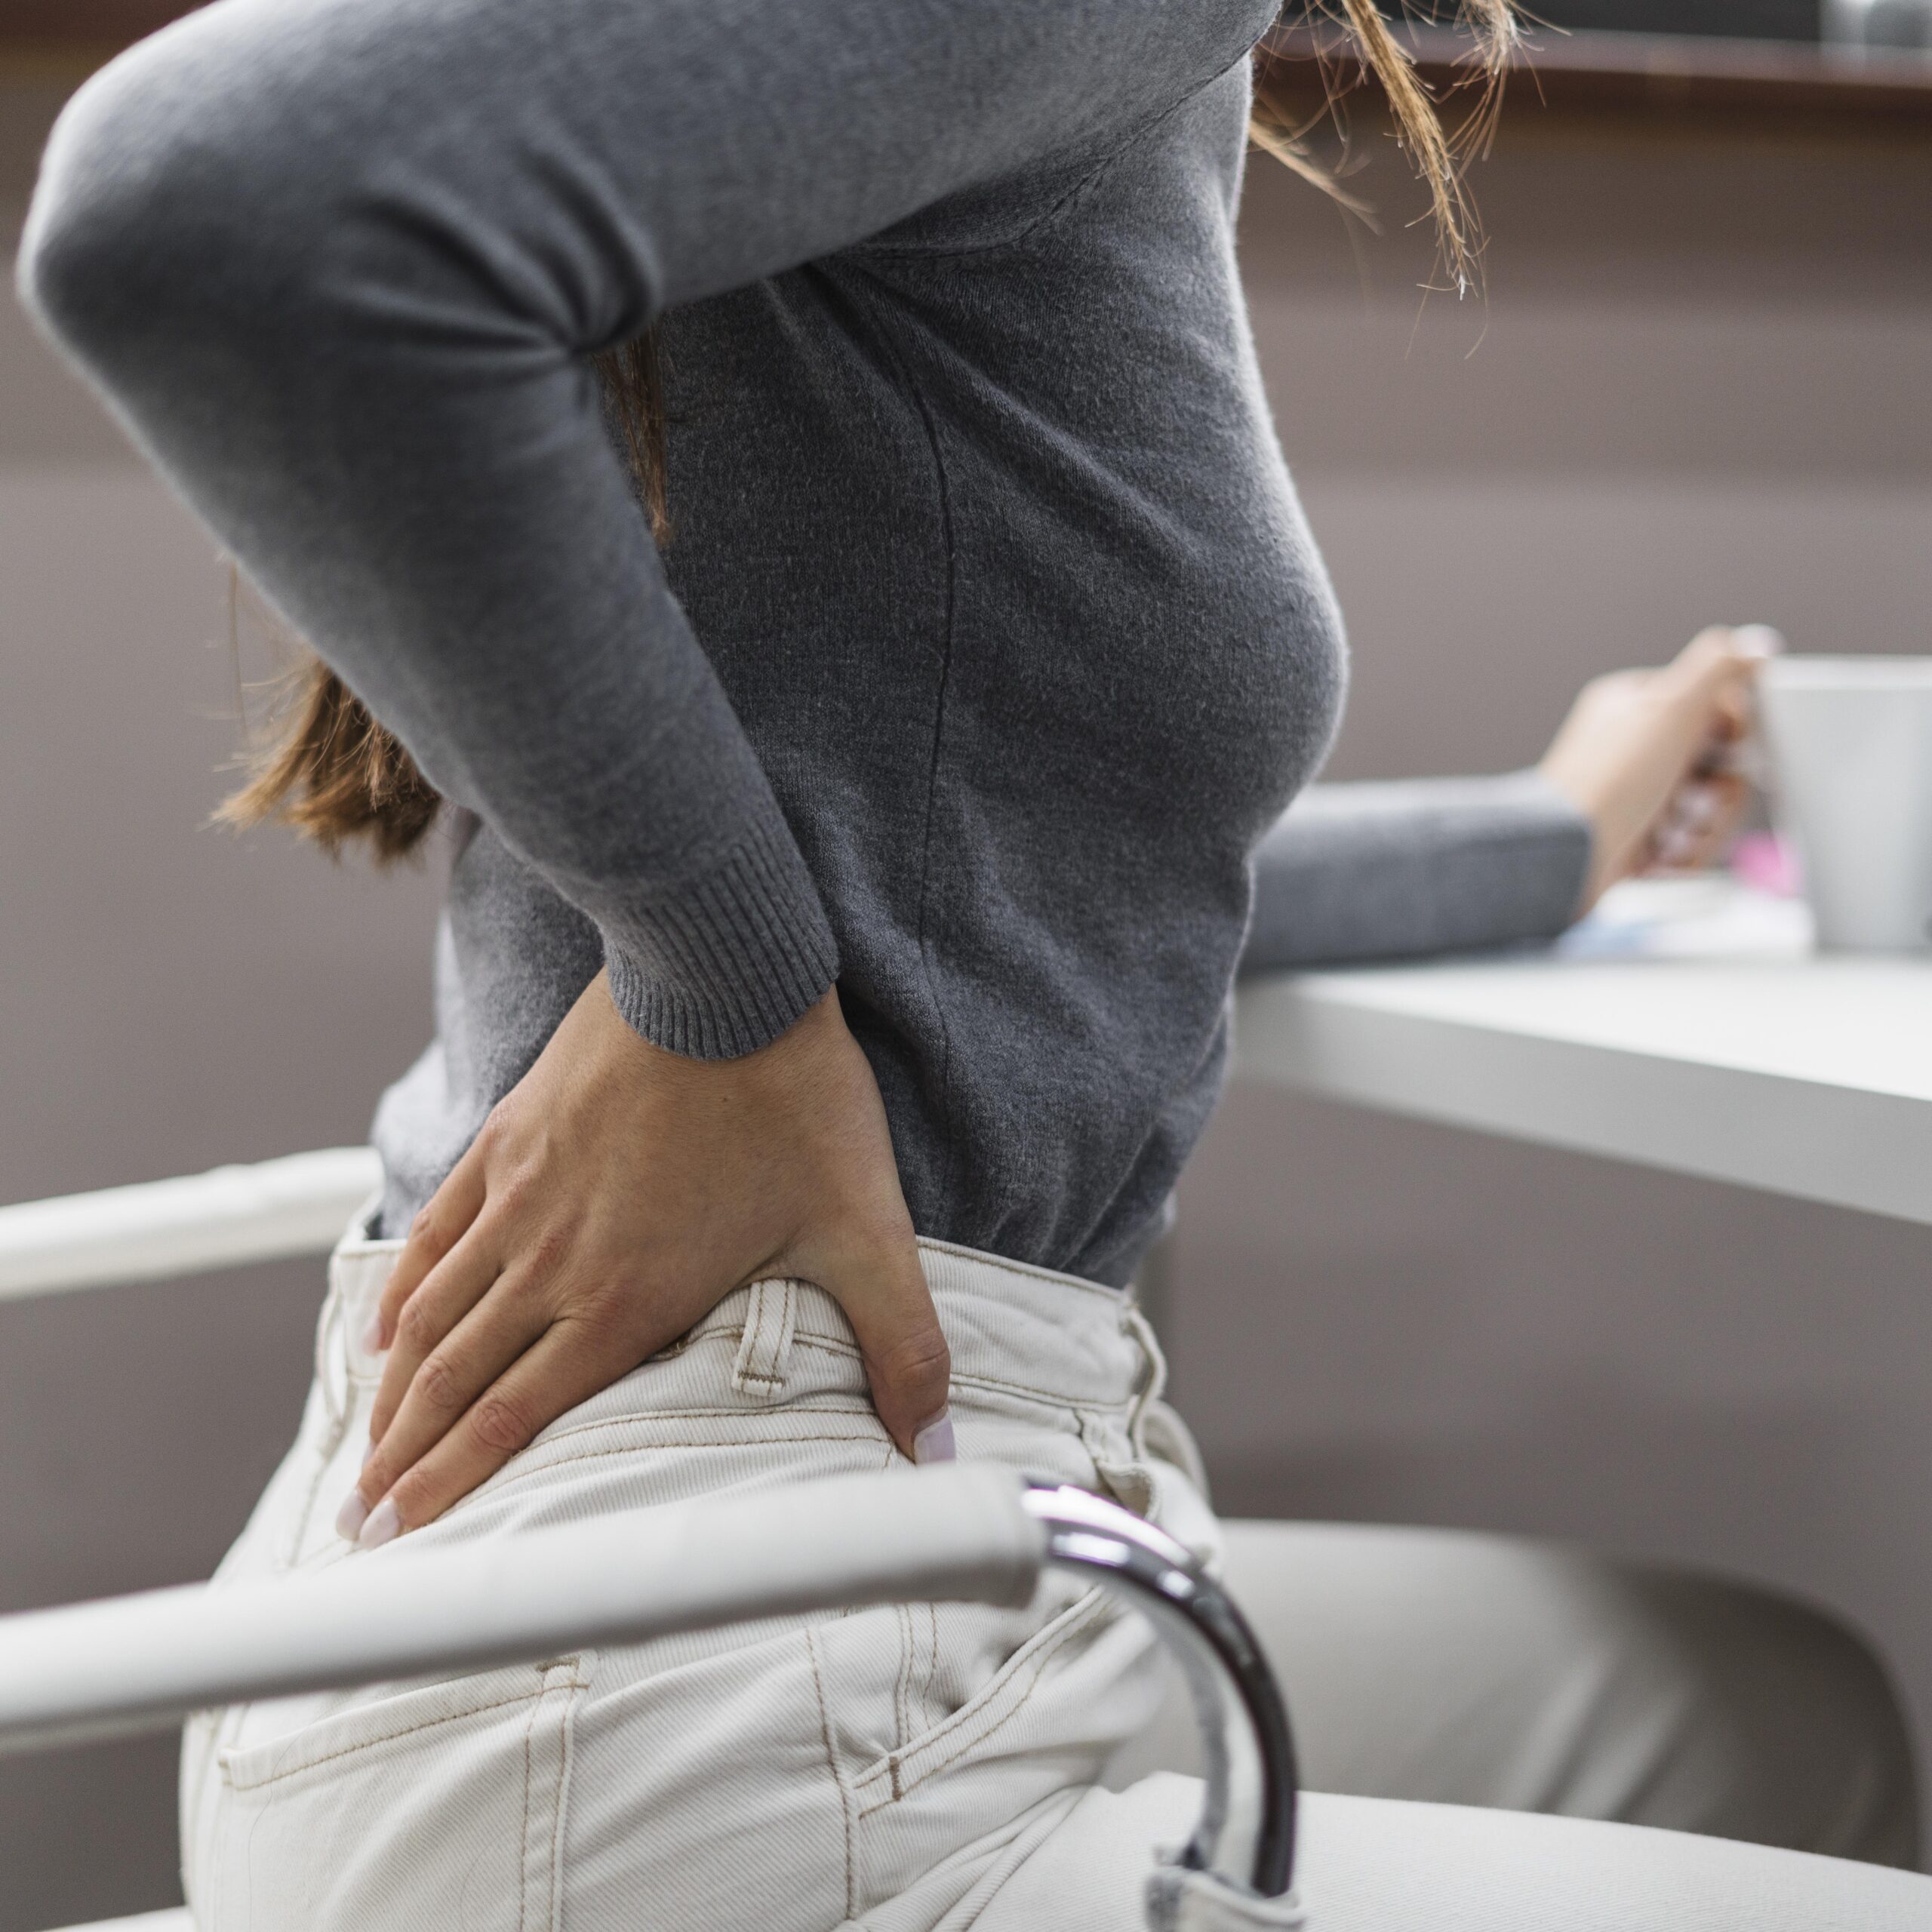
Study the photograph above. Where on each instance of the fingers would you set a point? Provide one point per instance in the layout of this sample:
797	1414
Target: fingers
1708	661
452	1376
1758	642
1716	666
1702	694
508	1367
450	1290
435	1231
1706	694
1699	821
1732	797
886	1300
1712	694
561	1368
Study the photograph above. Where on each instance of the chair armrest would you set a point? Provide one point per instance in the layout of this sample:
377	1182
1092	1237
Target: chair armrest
959	1533
263	1212
139	1662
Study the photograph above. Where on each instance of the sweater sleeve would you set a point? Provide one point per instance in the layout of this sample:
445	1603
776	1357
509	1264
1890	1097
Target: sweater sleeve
1363	871
339	265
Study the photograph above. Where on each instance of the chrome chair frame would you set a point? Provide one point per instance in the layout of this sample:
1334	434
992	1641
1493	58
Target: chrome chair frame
1246	1833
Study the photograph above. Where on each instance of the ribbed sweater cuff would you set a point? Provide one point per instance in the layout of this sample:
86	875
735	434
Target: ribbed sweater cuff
729	962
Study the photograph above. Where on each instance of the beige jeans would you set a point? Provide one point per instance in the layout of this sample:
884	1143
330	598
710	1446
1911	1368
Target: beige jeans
905	1768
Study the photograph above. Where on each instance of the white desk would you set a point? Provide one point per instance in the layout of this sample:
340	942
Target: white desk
1744	1058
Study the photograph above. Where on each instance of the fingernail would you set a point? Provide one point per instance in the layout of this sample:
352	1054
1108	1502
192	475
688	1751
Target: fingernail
350	1518
1756	640
934	1443
385	1523
1697	807
372	1336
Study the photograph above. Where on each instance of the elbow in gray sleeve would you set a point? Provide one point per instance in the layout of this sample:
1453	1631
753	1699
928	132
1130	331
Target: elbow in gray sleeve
248	207
154	228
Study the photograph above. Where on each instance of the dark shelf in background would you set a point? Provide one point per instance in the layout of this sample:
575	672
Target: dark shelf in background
1713	80
123	20
1708	19
85	22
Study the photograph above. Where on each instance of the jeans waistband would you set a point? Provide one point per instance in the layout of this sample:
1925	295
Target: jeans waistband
1015	1331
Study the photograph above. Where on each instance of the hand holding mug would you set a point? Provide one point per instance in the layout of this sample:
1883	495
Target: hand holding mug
1646	756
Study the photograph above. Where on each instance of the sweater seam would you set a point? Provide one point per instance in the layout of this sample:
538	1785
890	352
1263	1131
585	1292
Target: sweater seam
1140	131
883	334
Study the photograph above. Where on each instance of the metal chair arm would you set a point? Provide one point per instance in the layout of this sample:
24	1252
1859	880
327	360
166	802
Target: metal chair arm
960	1532
1246	1832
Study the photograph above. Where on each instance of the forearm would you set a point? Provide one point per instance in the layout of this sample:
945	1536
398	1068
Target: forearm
340	264
1363	871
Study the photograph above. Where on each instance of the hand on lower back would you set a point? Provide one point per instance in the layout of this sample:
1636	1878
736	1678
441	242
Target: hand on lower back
614	1197
1642	755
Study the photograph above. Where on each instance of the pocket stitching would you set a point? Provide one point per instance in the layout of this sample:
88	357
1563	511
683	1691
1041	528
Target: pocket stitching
892	1768
833	1346
367	1744
523	1836
848	1798
228	1753
652	1416
902	1716
566	1739
687	1442
328	1325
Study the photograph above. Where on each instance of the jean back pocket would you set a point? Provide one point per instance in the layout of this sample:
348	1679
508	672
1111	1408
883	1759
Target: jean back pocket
443	1805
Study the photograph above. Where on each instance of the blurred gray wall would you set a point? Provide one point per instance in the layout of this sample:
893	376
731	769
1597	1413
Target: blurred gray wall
1699	389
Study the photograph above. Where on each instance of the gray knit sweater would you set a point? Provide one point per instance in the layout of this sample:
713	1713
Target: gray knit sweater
990	640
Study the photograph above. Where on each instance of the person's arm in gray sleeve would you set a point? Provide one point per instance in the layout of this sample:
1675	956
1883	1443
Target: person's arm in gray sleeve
340	265
1363	872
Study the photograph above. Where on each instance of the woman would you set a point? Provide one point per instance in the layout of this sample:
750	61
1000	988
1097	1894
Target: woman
845	901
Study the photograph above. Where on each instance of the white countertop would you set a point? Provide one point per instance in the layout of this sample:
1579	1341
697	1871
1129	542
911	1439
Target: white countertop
1689	1028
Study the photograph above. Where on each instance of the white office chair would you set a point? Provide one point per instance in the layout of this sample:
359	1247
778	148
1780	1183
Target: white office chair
956	1534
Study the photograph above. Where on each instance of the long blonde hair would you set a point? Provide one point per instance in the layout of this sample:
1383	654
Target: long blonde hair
337	775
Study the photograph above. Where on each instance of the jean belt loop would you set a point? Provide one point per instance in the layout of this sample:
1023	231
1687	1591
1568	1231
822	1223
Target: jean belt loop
332	1351
1154	1375
771	1318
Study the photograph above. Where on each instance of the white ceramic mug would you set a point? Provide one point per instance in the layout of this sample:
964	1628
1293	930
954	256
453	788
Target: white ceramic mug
1850	740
